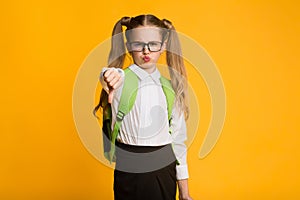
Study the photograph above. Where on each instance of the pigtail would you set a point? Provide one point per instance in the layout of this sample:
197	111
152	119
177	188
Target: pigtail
118	51
116	56
176	68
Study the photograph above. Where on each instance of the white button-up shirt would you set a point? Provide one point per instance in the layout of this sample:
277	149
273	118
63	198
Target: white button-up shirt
147	123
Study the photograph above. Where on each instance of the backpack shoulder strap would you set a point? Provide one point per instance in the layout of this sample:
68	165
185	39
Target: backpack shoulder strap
129	93
126	103
170	96
169	93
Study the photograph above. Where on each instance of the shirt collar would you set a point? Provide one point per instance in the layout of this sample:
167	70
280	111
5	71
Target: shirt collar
142	74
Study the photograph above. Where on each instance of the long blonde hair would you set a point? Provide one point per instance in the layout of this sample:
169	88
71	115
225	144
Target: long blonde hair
173	55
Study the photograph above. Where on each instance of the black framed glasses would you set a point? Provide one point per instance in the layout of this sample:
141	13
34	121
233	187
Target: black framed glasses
153	46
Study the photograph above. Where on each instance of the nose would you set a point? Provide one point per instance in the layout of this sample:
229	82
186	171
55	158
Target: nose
146	49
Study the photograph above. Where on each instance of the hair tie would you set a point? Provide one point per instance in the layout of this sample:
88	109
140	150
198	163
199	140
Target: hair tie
167	24
125	21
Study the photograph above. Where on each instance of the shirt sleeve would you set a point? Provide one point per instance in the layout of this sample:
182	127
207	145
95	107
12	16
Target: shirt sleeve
178	127
104	84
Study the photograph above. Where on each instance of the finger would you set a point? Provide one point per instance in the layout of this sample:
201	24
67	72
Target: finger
111	95
114	81
118	83
112	75
107	73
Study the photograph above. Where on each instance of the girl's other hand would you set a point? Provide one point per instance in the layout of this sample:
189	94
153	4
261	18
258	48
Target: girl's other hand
113	79
183	190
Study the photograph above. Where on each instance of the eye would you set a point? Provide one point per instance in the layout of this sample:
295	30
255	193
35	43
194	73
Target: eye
137	44
154	44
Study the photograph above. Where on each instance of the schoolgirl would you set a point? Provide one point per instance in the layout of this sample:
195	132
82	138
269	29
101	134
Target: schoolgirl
150	161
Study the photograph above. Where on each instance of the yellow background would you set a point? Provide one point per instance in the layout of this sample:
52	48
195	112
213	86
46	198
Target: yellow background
255	45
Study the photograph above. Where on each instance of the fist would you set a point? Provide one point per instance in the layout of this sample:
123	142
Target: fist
113	79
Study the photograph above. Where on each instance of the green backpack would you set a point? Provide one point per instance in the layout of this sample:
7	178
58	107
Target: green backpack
127	100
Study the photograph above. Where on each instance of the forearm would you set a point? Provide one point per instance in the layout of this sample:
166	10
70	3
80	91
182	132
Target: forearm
179	146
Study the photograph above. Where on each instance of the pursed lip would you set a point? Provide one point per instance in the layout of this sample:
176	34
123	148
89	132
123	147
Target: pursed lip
146	58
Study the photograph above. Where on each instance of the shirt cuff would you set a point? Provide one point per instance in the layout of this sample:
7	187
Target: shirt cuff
182	172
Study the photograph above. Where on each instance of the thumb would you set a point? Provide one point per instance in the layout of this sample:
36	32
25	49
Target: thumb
111	95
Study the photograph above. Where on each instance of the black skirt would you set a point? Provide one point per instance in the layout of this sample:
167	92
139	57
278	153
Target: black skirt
145	173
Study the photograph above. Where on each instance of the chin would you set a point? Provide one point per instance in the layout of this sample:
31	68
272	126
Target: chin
147	66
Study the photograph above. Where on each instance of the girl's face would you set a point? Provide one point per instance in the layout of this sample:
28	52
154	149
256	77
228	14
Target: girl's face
145	45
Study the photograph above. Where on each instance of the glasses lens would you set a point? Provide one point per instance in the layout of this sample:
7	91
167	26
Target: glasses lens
139	46
154	46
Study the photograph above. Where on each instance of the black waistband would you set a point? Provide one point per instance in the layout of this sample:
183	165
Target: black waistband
141	159
139	148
